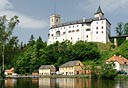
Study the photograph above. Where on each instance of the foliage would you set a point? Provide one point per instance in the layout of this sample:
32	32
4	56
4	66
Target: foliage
107	72
7	41
122	49
119	29
122	28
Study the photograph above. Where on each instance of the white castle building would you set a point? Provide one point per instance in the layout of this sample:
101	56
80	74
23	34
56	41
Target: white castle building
96	29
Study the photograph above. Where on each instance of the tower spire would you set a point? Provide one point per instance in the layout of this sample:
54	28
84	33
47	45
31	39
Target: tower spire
99	12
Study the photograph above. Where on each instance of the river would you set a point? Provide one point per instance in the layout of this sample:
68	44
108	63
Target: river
62	83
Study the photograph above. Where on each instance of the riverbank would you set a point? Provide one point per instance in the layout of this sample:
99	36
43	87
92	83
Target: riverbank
65	76
49	76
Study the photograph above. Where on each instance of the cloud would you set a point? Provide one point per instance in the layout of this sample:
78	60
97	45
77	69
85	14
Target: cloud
6	8
5	4
108	5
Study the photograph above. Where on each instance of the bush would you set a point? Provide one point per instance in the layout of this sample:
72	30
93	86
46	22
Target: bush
107	72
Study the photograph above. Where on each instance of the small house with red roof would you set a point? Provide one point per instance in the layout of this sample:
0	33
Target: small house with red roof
118	62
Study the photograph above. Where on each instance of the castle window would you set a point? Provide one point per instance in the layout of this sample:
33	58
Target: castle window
88	29
73	30
77	30
96	27
48	35
52	35
102	27
69	31
63	32
102	32
56	20
97	32
58	33
102	22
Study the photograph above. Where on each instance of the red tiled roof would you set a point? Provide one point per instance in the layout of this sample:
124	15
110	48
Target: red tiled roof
119	59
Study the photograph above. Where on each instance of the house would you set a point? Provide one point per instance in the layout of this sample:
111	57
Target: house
47	70
9	71
72	68
35	72
118	62
94	29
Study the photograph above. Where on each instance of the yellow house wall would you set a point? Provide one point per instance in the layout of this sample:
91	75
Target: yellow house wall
72	69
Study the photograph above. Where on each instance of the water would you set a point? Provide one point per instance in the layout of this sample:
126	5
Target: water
62	83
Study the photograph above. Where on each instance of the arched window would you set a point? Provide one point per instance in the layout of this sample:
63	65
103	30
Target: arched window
58	33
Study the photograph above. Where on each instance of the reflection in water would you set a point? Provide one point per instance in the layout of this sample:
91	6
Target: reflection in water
62	83
9	83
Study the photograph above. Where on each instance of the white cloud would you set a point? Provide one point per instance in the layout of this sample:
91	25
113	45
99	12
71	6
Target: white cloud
108	5
5	4
25	21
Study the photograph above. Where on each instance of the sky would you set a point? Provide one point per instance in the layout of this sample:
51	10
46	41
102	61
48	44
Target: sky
34	14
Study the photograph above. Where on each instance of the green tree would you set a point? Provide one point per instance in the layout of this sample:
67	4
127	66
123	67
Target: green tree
119	29
6	29
107	71
86	51
126	29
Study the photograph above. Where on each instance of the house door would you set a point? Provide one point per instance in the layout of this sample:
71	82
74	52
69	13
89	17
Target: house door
77	72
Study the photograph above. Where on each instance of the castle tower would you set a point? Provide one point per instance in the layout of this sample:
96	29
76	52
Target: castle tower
54	20
99	13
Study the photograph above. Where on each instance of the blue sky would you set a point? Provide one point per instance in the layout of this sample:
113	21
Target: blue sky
34	14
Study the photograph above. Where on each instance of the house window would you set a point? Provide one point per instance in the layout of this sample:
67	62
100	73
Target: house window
97	32
96	22
102	32
113	64
69	26
58	33
86	36
63	32
96	27
71	38
102	27
77	25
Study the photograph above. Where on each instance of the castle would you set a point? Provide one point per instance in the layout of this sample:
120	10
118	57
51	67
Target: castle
96	29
